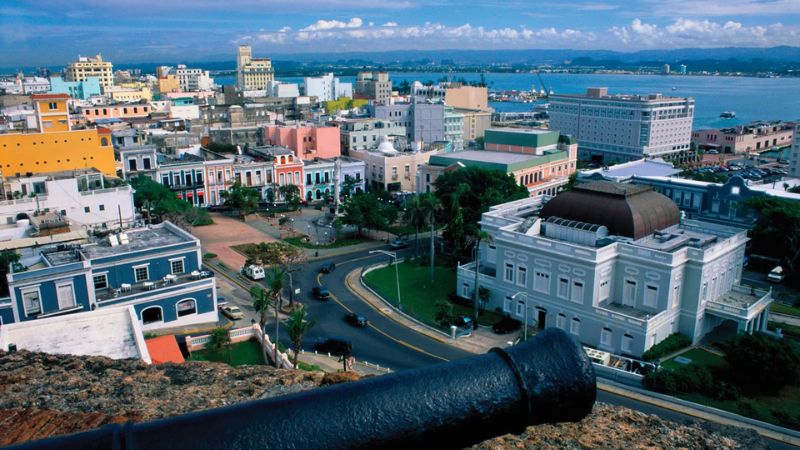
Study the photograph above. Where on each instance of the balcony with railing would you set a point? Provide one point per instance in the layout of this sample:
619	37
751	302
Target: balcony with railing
126	292
741	302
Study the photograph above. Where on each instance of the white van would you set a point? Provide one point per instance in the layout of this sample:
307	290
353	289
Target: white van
254	272
776	275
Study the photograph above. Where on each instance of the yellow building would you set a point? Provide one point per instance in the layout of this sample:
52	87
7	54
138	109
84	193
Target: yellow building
86	66
169	83
55	146
128	94
252	74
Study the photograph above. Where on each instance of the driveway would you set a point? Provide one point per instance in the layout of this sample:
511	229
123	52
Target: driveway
226	232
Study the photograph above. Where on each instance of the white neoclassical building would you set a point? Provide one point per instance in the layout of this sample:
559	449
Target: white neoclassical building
616	266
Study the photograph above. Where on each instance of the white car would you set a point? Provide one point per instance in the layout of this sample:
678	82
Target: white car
232	312
254	272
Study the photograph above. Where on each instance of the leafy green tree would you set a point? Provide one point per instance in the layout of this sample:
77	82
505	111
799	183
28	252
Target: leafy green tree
777	231
296	327
365	211
430	207
220	340
466	194
7	257
444	311
162	203
221	148
416	216
291	195
280	254
349	185
242	198
762	364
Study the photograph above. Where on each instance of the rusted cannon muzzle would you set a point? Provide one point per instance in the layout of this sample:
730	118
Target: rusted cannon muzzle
547	379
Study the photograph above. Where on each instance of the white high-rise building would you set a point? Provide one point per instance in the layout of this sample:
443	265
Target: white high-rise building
327	88
193	80
618	128
87	66
252	74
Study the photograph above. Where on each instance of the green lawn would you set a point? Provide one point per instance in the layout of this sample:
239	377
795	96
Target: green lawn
240	354
788	330
772	409
699	357
418	294
782	308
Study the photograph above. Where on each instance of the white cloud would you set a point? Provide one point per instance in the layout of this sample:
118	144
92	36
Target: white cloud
390	24
321	24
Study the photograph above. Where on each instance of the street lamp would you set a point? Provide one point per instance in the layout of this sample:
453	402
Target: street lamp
525	330
396	273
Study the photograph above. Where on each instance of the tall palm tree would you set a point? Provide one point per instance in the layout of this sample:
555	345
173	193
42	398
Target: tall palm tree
417	217
275	283
430	204
261	303
297	326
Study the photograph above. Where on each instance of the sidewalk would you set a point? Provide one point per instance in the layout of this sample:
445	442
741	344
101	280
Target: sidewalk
334	364
479	342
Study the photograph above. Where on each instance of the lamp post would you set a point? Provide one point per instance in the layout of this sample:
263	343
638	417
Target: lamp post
396	273
524	330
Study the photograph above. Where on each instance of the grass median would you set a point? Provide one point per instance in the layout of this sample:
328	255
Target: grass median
247	353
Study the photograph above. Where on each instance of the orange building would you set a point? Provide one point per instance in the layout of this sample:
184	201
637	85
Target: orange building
55	146
308	142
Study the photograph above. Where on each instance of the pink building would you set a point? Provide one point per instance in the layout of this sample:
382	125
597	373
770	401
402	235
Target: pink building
307	142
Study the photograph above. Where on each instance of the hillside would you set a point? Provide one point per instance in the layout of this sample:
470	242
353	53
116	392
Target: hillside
43	395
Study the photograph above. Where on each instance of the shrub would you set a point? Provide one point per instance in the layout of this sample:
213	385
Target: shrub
209	255
672	343
786	419
685	380
762	364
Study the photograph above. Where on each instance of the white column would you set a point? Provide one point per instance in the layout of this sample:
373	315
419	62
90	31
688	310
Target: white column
765	320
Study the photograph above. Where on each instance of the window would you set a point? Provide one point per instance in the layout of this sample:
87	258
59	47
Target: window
605	289
100	281
705	291
52	105
32	302
561	321
141	273
577	291
627	343
66	295
563	287
629	294
102	207
522	275
132	165
651	296
541	282
86	209
575	326
146	163
520	308
508	275
186	307
465	290
507	304
152	314
605	337
176	266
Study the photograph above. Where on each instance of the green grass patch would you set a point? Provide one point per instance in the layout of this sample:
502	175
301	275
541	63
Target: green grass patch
308	367
209	255
418	294
782	409
301	241
239	354
788	330
782	308
699	357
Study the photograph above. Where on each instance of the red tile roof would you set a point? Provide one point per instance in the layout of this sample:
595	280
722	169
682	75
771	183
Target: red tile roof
164	349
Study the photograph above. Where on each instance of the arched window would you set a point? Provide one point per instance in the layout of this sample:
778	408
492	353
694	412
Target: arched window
283	160
186	307
104	141
152	314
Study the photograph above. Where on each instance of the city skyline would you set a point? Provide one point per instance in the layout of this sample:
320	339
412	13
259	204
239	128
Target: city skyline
56	31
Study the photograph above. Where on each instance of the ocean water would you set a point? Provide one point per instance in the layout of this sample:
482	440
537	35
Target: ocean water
750	98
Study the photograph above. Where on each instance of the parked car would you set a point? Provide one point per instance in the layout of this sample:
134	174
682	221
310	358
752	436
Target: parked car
327	267
464	322
776	275
254	271
320	293
232	312
399	243
334	346
356	320
506	325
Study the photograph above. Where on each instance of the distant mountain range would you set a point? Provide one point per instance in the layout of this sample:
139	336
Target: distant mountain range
746	59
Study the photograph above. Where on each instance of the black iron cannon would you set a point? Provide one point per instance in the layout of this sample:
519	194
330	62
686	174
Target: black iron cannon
451	405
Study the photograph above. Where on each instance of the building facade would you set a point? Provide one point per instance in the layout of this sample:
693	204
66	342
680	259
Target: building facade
82	90
87	66
753	137
252	74
306	140
193	80
327	88
618	282
385	168
366	134
375	86
423	120
454	128
619	128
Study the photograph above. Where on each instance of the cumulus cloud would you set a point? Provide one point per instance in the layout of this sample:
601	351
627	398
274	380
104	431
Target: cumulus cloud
390	24
683	32
355	22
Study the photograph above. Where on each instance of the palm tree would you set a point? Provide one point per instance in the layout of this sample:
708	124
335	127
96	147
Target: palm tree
275	281
416	216
297	326
430	204
261	303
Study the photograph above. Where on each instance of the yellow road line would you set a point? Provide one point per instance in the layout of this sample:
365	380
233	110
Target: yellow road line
399	341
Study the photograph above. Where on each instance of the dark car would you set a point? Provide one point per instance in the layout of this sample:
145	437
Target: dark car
464	322
399	243
320	293
334	346
327	267
506	325
356	320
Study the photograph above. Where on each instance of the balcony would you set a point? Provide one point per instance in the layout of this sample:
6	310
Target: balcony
741	302
628	314
487	273
151	287
182	186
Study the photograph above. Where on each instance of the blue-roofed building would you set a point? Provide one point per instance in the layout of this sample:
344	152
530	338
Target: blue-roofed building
76	89
157	270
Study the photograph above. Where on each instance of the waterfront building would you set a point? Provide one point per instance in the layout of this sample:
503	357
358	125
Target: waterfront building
454	128
193	80
753	137
468	97
306	140
156	270
375	86
81	90
619	128
615	266
54	146
327	88
388	169
366	133
87	66
252	74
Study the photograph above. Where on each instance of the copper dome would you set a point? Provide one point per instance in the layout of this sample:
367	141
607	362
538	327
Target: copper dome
626	209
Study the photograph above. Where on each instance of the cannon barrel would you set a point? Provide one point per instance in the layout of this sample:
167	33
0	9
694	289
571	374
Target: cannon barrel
546	379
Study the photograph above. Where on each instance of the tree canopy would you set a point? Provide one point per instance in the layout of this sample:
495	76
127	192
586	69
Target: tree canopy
366	211
161	202
777	231
242	198
467	193
762	364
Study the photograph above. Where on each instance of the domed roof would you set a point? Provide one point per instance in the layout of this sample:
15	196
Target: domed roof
625	209
386	146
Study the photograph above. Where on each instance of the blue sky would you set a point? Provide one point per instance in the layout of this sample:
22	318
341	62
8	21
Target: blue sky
53	32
